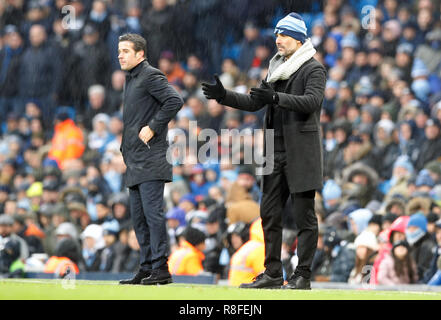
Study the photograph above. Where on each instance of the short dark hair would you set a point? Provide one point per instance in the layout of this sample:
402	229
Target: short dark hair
139	43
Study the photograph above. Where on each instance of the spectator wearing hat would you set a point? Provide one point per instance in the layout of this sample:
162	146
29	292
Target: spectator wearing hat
403	60
358	220
10	56
431	146
247	262
56	215
104	212
434	168
395	234
359	183
93	244
50	191
329	244
175	221
331	98
110	250
435	265
366	250
198	184
187	260
331	194
189	204
398	183
213	243
6	234
407	139
68	140
100	136
386	150
119	203
421	243
424	182
40	73
355	151
129	258
66	259
78	213
11	265
398	267
291	42
420	83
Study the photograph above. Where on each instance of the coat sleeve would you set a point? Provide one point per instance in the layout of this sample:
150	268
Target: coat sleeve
312	99
169	99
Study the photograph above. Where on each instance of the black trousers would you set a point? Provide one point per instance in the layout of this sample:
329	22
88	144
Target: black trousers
149	223
275	195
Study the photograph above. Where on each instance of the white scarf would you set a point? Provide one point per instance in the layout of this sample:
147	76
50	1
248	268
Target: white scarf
282	70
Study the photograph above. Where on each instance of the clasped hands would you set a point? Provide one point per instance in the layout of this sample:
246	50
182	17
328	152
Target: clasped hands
261	96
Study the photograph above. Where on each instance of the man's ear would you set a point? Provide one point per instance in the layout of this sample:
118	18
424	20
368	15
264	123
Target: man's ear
140	54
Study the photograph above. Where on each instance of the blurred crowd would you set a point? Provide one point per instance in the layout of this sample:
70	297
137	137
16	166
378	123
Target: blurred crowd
63	204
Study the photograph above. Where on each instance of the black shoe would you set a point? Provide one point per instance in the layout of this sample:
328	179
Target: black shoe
263	281
298	282
137	278
158	276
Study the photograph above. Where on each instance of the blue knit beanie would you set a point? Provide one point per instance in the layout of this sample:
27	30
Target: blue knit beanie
292	25
418	220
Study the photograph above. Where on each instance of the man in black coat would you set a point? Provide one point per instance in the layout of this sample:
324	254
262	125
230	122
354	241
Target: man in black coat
10	56
40	73
293	95
150	102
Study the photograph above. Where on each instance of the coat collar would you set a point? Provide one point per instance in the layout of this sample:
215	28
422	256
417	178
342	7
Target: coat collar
137	69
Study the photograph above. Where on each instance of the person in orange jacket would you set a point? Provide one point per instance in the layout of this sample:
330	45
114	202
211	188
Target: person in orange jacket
68	140
395	233
247	262
65	260
187	259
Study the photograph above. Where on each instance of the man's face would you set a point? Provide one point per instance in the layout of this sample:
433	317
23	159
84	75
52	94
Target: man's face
431	132
128	58
14	40
37	35
5	230
286	45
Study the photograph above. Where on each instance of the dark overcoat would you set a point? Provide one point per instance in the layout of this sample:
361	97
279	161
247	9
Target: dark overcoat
300	100
148	100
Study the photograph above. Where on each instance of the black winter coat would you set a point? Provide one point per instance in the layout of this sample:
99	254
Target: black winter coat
148	100
300	103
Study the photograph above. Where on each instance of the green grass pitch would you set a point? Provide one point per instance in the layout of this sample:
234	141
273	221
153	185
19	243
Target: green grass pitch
102	290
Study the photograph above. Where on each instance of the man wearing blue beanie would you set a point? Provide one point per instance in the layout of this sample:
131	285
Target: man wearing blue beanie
292	95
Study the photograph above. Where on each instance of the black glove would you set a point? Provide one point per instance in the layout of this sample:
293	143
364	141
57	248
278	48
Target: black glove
264	95
214	91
